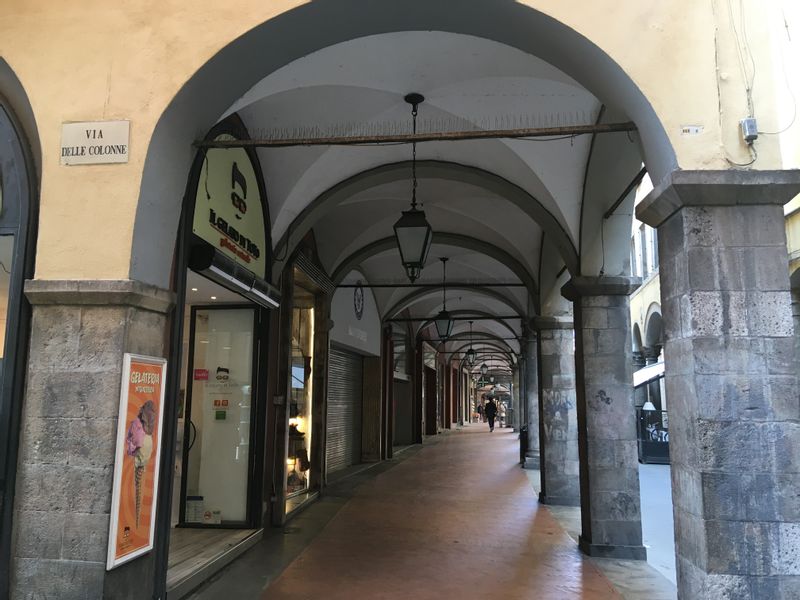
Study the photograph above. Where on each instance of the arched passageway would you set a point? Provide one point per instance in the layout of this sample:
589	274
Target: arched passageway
533	230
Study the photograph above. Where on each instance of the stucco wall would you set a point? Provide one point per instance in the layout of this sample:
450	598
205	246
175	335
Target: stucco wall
364	334
93	60
641	301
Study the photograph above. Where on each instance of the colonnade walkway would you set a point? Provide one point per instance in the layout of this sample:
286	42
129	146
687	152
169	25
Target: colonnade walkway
455	518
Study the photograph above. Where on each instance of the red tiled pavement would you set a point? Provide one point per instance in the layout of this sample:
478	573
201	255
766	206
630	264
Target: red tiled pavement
460	520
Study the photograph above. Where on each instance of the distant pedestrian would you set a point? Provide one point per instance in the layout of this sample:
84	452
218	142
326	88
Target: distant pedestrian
480	412
490	410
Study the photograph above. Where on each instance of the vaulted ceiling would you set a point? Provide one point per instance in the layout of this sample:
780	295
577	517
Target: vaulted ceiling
504	211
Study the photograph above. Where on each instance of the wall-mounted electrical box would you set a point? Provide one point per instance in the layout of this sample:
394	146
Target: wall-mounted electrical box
749	130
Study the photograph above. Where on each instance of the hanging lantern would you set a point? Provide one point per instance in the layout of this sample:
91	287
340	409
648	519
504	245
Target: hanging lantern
412	231
470	357
470	352
444	322
484	369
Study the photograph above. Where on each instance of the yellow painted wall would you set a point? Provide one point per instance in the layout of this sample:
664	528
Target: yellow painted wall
96	60
793	240
642	299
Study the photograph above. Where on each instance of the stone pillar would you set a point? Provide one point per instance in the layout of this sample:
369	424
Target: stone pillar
610	501
640	393
79	332
796	320
531	358
519	413
560	471
731	381
651	355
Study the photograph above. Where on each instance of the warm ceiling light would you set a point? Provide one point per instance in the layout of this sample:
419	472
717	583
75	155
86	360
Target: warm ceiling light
213	297
194	289
412	231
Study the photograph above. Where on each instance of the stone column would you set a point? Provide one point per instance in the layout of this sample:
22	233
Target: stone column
519	413
731	381
79	332
560	471
651	355
610	501
531	358
640	393
796	319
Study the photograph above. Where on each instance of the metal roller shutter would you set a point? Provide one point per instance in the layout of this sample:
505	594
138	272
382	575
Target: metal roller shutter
345	377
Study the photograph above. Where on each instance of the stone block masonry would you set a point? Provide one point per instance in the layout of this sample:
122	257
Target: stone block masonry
560	471
731	379
609	469
79	332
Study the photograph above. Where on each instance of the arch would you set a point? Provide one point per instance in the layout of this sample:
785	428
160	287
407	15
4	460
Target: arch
486	344
18	226
433	169
485	338
420	293
636	337
478	313
653	327
447	239
13	94
227	75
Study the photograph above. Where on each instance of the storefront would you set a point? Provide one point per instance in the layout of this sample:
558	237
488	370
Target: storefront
222	334
300	398
17	208
345	399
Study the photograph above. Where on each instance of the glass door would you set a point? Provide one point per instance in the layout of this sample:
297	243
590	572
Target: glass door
218	432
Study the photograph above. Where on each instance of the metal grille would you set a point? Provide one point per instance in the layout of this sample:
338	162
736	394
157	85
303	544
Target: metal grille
345	375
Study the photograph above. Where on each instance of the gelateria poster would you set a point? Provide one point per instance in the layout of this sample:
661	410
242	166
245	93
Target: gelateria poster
136	466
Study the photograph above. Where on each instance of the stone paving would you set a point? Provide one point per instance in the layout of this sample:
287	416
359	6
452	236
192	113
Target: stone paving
458	519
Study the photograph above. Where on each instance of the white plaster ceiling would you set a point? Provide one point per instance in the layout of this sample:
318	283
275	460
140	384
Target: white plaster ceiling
358	87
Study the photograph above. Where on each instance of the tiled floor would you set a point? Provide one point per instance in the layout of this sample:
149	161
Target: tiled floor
457	519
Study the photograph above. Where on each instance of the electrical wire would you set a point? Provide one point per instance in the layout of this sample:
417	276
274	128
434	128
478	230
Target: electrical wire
753	153
740	55
788	89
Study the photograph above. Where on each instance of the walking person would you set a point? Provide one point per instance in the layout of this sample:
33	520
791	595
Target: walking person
490	410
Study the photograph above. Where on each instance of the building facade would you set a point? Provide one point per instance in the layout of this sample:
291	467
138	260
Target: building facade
215	185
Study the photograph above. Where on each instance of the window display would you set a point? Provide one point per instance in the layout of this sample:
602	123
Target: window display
298	464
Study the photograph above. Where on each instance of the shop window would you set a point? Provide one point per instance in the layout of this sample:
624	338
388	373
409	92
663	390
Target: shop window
298	463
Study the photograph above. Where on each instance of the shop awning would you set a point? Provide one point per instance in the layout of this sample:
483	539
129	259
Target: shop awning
648	374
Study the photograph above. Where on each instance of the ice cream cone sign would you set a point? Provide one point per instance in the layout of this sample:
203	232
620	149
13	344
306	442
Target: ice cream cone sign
139	444
132	525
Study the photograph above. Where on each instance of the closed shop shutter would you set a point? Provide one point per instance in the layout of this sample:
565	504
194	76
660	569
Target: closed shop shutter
344	410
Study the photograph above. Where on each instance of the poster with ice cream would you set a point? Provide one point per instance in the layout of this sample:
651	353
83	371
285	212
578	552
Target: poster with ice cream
133	503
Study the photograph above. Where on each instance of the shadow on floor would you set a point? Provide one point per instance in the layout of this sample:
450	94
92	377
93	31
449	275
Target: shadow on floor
251	574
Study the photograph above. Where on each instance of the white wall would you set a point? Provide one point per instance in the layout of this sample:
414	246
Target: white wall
362	335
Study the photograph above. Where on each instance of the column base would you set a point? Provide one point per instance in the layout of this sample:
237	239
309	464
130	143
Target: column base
559	500
532	461
607	551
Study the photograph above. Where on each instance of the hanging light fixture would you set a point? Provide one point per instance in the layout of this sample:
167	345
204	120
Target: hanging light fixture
470	352
485	367
444	322
412	230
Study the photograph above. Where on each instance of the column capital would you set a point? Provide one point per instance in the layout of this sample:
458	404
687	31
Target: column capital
539	323
729	187
600	286
122	292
